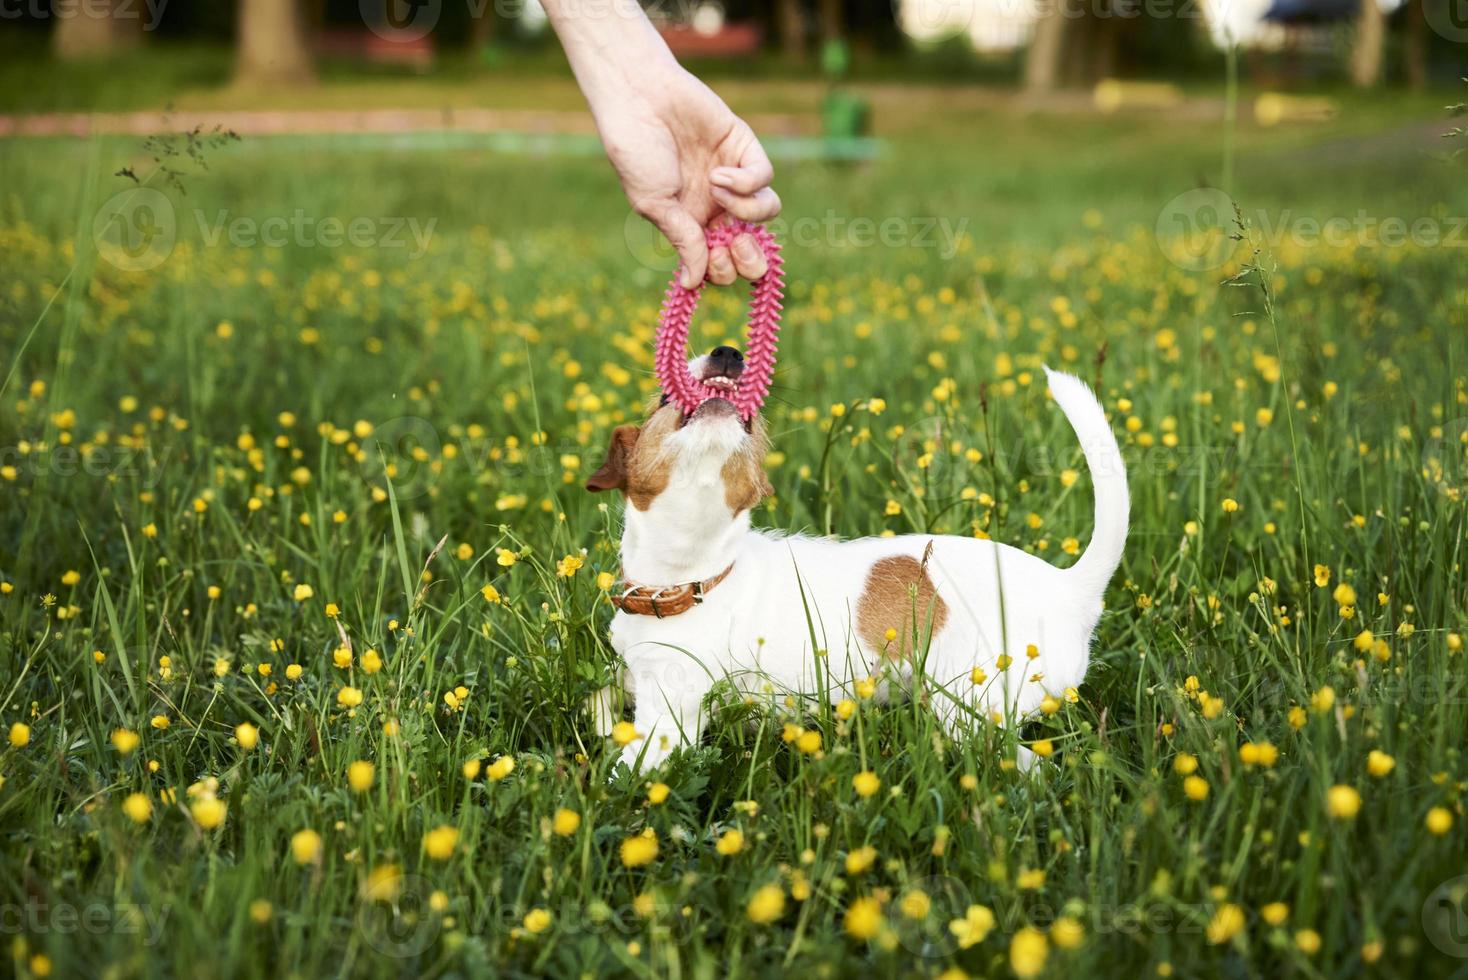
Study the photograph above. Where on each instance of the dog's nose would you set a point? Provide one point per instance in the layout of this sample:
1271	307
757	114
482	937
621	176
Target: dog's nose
726	359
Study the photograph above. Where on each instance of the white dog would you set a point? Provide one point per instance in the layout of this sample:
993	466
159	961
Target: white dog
707	597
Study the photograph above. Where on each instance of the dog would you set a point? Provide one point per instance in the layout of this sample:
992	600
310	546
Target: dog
993	630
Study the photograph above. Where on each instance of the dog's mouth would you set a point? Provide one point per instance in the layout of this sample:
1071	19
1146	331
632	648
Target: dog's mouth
722	381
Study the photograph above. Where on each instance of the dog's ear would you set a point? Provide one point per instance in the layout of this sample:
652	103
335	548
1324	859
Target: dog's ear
613	472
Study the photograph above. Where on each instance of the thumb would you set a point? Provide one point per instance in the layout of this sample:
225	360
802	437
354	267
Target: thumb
686	236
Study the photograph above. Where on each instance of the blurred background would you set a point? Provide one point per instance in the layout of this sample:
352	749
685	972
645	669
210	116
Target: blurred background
1021	119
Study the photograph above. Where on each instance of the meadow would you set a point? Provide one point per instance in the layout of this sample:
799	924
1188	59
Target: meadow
301	600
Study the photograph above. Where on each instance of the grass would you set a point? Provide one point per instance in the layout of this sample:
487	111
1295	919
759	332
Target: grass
246	457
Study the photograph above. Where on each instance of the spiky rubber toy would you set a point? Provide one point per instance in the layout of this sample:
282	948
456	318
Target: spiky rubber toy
671	359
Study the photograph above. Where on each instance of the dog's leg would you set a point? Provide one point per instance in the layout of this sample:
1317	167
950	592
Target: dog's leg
669	708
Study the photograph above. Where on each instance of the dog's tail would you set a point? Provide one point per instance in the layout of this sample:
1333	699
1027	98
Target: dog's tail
1108	474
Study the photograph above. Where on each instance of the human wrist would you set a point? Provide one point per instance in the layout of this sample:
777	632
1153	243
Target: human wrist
611	46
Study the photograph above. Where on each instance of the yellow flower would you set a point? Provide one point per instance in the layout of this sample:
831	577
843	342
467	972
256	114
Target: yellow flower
1344	595
125	741
304	592
139	808
973	927
1196	788
566	822
371	662
860	860
863	918
471	769
1043	747
1067	933
500	768
1378	763
766	905
209	812
490	593
657	794
809	742
605	581
20	735
293	672
1275	913
569	565
160	722
1185	764
866	783
1323	700
640	849
505	557
1307	941
624	733
1439	820
916	904
341	657
1226	923
40	965
349	697
306	846
1027	952
360	775
731	842
1322	576
537	921
1031	879
1342	802
332	610
439	843
247	735
1230	505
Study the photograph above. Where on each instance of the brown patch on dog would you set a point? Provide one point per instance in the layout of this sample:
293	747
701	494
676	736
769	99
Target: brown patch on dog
745	483
635	463
899	596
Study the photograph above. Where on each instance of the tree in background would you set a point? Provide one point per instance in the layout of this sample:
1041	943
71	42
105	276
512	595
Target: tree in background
270	46
1366	53
96	29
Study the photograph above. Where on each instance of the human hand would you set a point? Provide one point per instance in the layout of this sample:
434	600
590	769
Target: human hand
687	163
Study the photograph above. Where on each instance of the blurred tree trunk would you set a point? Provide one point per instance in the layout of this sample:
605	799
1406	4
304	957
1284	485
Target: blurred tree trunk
833	21
1415	54
95	29
1370	37
790	20
271	44
1043	60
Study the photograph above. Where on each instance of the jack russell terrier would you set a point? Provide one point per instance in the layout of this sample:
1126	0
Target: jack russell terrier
992	630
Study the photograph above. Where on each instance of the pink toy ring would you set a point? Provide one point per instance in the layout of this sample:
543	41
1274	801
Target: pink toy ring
671	359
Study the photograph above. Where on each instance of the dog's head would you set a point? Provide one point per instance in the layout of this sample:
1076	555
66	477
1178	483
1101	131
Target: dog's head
708	465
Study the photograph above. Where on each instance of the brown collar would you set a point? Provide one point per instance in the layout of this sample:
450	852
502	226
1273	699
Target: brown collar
669	600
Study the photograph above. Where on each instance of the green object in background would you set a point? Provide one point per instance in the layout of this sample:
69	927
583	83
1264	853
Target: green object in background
844	115
835	58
